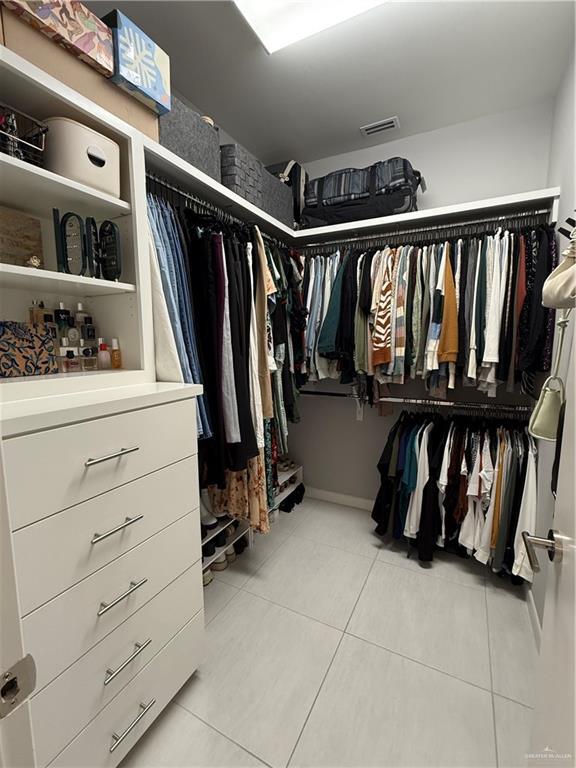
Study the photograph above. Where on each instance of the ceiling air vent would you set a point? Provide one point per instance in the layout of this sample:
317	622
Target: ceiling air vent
389	124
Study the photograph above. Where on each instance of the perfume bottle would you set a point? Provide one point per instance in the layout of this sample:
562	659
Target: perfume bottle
36	312
88	329
104	361
88	357
73	333
61	316
62	358
73	363
116	355
81	314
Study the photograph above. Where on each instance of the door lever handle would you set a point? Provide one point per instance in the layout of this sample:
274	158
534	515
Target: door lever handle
553	543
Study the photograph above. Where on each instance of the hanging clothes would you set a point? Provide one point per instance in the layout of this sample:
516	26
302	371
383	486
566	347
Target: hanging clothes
463	484
463	310
229	313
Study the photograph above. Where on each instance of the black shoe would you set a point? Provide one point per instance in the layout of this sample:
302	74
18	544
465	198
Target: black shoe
220	539
240	545
209	549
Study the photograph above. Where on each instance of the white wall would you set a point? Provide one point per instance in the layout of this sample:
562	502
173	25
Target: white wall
494	155
562	172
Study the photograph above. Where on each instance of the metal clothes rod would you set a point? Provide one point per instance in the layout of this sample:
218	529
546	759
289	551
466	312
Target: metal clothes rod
431	403
227	218
502	408
381	237
329	394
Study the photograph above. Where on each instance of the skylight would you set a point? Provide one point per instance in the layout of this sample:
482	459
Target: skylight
279	23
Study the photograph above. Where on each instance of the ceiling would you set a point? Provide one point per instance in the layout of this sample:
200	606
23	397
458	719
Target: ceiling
431	63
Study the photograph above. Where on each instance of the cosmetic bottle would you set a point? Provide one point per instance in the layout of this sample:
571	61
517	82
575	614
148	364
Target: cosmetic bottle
73	333
88	329
62	359
36	312
104	361
61	316
73	363
116	355
81	314
88	357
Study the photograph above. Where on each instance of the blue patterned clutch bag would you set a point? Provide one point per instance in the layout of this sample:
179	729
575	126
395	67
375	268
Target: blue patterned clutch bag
26	350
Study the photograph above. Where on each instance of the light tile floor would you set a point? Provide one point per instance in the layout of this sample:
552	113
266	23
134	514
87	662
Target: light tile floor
328	648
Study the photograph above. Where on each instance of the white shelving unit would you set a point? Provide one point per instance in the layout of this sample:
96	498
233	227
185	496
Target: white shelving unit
242	530
120	309
218	529
34	190
284	476
47	281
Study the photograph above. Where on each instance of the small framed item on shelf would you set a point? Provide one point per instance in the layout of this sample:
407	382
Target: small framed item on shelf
20	239
26	349
141	67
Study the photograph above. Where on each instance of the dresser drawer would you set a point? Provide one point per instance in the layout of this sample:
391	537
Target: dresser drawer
61	546
53	470
158	682
61	631
63	708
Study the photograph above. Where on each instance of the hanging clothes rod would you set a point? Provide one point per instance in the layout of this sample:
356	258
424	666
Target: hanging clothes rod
380	238
467	406
222	213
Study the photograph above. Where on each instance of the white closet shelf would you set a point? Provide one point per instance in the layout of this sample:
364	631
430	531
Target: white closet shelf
242	529
287	474
37	191
215	531
287	491
46	281
447	214
168	165
181	173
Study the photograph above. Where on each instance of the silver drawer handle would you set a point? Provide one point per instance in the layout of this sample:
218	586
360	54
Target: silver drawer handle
117	455
129	521
111	673
119	739
104	607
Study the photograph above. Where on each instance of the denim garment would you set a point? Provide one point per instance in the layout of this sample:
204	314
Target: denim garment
185	309
166	244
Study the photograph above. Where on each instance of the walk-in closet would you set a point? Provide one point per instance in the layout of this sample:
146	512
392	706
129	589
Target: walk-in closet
287	384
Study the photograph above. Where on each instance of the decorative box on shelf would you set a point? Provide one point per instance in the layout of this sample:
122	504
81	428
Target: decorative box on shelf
184	132
140	66
73	26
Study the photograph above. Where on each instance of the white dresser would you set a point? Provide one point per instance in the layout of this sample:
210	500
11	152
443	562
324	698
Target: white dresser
101	502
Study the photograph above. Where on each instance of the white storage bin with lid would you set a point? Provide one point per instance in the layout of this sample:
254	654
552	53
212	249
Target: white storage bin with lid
79	153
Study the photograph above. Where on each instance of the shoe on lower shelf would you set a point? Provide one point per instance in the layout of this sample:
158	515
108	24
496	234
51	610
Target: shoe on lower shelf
221	563
207	577
207	519
230	554
209	549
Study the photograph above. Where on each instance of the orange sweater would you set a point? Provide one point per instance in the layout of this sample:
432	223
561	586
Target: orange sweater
448	342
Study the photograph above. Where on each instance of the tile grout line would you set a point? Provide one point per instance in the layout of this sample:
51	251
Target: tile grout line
292	610
491	679
329	665
420	663
428	573
225	736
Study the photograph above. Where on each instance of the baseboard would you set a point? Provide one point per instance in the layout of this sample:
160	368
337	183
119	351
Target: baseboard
534	618
340	498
